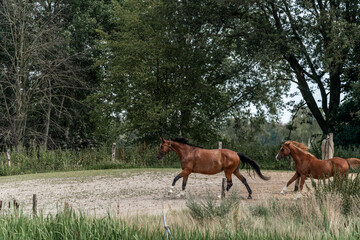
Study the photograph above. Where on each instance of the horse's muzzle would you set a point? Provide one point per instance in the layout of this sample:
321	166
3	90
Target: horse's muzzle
277	157
159	156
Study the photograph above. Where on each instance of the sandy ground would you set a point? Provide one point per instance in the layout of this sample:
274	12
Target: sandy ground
132	192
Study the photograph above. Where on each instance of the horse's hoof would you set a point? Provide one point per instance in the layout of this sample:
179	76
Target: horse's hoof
282	192
249	197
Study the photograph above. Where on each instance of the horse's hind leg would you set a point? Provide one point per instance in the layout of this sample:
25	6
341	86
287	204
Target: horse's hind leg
243	180
229	180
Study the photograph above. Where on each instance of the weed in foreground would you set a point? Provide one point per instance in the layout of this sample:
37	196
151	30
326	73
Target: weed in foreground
348	188
209	208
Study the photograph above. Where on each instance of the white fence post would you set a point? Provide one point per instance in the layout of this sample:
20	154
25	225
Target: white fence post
113	152
8	157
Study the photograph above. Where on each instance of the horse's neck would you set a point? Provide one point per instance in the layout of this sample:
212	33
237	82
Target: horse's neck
180	149
297	154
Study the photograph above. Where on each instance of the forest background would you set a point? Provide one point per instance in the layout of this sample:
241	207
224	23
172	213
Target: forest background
77	76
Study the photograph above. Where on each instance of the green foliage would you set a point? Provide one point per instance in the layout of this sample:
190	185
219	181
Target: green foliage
67	225
285	39
169	68
263	155
176	75
36	160
347	128
208	209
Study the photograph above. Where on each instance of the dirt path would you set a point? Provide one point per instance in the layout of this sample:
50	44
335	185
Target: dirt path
123	192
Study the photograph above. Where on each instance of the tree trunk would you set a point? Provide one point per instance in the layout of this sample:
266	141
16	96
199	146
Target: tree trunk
47	119
306	93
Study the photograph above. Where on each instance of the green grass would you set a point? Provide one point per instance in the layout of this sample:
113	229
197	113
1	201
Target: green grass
273	219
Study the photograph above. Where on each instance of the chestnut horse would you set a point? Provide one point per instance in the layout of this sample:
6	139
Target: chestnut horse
207	161
307	164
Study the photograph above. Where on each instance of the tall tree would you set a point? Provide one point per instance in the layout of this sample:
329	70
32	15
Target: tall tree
37	70
310	40
169	73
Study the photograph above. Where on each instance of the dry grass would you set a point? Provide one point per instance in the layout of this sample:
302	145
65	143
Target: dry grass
306	218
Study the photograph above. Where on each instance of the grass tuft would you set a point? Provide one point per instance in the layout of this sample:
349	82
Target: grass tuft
208	208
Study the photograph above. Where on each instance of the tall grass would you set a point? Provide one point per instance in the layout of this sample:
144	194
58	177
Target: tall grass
273	219
346	188
208	209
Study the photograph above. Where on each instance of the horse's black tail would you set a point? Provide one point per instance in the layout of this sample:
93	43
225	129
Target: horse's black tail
246	160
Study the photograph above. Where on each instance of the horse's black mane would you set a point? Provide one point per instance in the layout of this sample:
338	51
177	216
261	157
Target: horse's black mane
183	140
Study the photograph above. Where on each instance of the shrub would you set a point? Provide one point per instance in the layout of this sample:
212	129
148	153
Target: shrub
209	209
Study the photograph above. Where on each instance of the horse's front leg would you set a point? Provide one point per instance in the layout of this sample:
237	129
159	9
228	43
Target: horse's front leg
182	193
184	174
296	176
302	181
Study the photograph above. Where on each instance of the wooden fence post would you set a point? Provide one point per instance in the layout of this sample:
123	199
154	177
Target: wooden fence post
223	188
121	154
8	157
34	205
113	152
224	179
327	147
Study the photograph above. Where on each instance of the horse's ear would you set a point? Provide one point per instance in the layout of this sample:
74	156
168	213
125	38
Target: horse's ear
162	139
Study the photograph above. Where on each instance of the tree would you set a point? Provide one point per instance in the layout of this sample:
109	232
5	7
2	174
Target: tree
347	129
82	20
311	41
170	73
37	71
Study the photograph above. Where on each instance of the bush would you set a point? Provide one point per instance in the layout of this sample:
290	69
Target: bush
208	209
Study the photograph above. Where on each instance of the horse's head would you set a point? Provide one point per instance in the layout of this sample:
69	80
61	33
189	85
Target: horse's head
283	152
164	149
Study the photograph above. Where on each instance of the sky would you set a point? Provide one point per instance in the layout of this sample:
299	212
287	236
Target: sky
286	116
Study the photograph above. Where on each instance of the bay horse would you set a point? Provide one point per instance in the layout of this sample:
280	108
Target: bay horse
194	159
307	164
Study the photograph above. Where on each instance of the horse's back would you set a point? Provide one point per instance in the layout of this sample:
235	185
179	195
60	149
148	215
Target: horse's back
206	161
212	161
327	168
340	164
